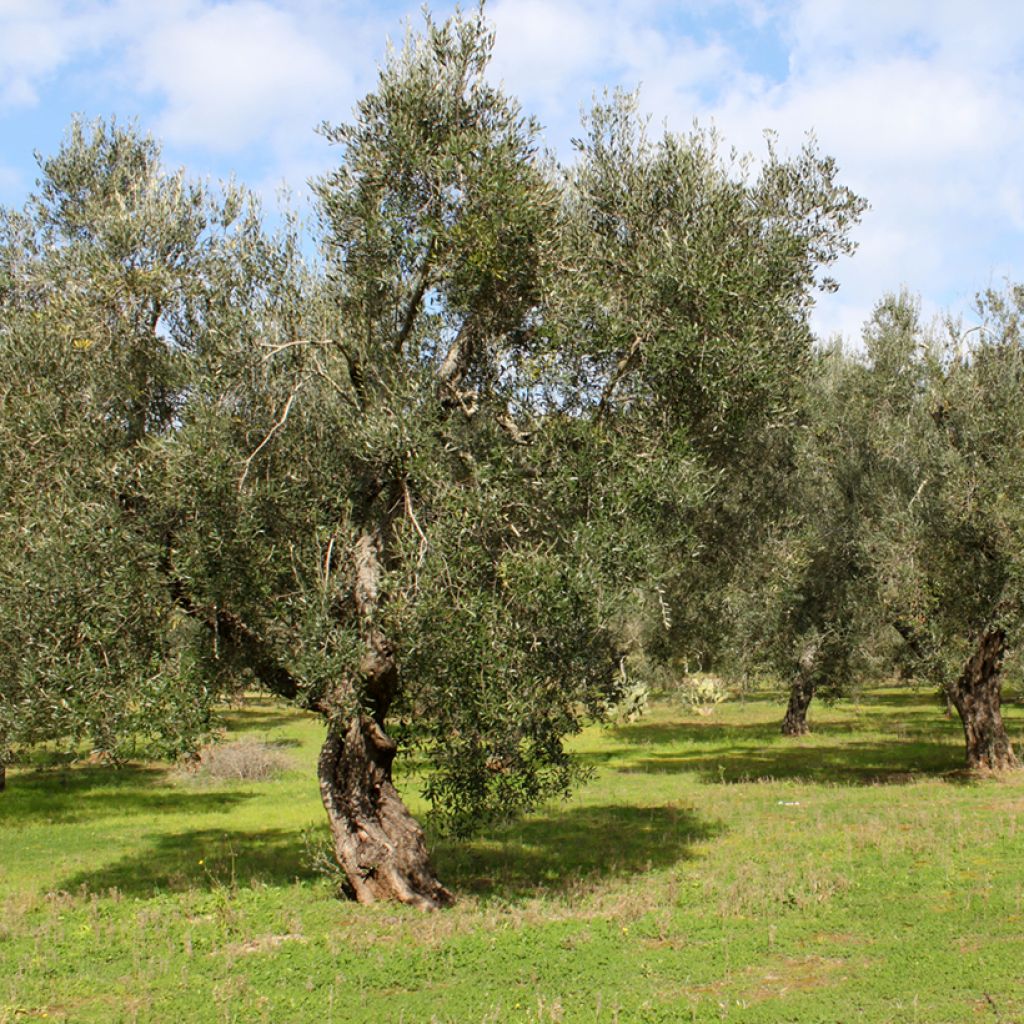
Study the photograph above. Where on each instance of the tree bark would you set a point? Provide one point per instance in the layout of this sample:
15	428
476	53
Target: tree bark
3	777
977	696
947	701
801	693
377	843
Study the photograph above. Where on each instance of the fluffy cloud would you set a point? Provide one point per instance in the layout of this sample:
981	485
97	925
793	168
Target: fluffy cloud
237	74
919	100
34	43
556	56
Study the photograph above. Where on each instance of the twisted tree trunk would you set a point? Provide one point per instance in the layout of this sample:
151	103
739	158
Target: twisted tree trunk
977	696
378	844
801	693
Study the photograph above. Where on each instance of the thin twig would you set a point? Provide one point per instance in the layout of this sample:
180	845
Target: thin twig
324	375
273	430
917	494
327	565
273	350
424	543
625	364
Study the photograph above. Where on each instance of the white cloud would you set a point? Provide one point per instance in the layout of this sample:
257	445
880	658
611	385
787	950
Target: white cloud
920	102
236	74
33	43
40	38
541	46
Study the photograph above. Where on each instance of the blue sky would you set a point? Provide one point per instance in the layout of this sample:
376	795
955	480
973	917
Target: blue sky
920	101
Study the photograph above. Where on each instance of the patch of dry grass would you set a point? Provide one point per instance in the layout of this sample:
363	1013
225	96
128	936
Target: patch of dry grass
245	760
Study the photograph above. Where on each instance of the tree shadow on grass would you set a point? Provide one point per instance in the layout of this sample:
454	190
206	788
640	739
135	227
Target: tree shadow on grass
851	763
553	853
903	741
640	734
257	719
560	851
913	717
923	699
94	791
201	859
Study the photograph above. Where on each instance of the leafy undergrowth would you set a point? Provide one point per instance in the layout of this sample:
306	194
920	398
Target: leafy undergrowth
712	870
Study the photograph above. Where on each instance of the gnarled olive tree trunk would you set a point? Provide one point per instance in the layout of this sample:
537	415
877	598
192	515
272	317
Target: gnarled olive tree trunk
378	844
977	695
801	693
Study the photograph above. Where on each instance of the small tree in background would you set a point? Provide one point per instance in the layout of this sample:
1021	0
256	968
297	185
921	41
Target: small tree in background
801	602
689	311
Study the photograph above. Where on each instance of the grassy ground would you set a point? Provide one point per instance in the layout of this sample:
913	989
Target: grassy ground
711	871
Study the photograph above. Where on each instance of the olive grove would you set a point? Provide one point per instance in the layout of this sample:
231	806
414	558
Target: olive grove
413	484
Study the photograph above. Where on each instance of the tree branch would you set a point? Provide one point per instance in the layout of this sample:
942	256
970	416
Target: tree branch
454	365
625	364
418	291
252	649
273	430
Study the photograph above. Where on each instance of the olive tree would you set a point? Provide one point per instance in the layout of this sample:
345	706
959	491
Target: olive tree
103	281
358	489
802	601
409	487
949	529
904	517
696	275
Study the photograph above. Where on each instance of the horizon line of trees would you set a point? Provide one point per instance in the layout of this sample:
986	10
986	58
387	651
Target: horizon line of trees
428	485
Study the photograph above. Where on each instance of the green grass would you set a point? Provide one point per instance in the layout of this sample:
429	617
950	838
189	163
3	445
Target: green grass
712	870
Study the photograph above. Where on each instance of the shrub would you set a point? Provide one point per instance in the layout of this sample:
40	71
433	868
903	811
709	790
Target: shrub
241	761
701	694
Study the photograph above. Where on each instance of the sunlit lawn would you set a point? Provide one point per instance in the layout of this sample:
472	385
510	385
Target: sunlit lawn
712	870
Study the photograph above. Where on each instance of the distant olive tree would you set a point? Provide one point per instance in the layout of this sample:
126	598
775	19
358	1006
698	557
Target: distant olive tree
689	305
801	603
950	533
903	517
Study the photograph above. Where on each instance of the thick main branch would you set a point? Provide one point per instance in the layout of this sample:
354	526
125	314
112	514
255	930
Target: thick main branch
251	649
